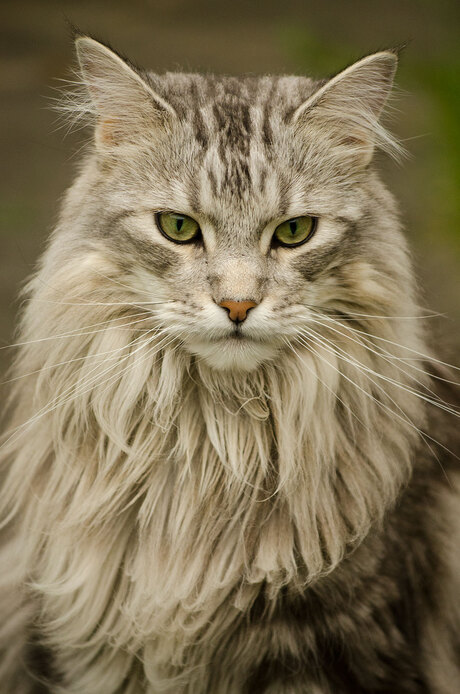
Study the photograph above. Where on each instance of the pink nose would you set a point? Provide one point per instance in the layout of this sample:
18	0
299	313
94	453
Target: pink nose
237	310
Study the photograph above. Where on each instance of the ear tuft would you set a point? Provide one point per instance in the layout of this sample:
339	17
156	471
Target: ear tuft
345	111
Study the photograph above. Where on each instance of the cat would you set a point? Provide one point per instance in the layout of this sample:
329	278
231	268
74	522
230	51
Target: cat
230	467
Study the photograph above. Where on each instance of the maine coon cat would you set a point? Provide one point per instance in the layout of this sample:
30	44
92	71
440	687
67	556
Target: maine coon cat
230	468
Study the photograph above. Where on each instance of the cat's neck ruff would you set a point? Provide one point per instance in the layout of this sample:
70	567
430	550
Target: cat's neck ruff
265	477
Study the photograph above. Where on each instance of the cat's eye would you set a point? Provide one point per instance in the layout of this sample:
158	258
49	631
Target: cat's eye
177	227
294	232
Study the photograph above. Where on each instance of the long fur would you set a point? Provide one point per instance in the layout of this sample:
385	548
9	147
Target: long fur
153	497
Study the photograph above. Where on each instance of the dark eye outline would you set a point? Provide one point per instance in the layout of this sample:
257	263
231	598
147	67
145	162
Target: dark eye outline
276	242
194	239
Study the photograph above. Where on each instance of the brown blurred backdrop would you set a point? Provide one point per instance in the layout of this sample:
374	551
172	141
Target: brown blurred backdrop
316	37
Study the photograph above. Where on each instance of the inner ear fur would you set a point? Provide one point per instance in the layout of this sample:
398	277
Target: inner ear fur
345	111
124	104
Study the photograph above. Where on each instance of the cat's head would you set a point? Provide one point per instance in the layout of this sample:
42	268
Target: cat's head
249	206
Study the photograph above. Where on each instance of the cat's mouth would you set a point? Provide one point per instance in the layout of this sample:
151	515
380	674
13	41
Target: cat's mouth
237	334
233	350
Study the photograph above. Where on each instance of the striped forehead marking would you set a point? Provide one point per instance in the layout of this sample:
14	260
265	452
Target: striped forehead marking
230	118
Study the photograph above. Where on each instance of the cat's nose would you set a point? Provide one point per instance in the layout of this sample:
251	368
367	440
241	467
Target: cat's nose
238	310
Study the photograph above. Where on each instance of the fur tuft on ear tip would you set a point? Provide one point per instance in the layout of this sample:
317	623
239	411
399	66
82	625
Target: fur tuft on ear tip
73	29
399	48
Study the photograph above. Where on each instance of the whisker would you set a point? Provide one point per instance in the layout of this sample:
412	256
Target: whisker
76	332
403	418
63	363
407	361
403	347
129	304
94	380
150	353
345	405
349	315
437	401
117	282
62	399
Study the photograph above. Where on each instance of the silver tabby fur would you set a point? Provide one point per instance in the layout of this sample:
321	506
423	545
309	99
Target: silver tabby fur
186	512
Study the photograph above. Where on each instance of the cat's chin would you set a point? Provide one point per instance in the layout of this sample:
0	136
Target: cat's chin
237	355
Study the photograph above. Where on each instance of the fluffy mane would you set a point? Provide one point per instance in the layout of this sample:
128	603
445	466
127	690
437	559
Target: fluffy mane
264	478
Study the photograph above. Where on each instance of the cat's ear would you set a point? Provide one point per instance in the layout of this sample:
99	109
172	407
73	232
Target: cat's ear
345	111
124	105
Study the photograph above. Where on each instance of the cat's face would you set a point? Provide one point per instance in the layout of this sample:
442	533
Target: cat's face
208	191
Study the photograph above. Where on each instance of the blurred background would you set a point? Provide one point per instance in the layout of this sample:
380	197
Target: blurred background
314	37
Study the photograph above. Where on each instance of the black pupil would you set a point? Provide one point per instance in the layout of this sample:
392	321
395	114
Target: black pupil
293	227
179	223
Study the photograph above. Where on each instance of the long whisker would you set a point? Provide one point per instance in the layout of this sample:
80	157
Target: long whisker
63	363
388	358
403	418
405	347
349	315
60	291
129	304
77	331
157	347
407	361
75	392
60	399
345	405
121	284
115	377
384	354
437	401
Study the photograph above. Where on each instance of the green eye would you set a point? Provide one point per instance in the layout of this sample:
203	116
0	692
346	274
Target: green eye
177	227
295	231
